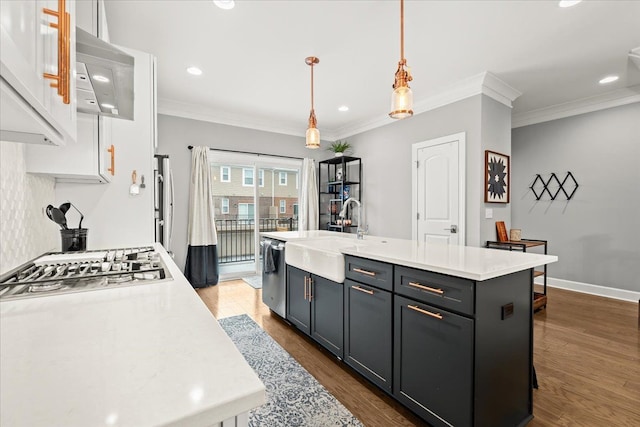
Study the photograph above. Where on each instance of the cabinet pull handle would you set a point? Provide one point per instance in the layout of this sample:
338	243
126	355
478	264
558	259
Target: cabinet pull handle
61	81
428	313
426	288
366	291
368	273
112	169
310	289
305	287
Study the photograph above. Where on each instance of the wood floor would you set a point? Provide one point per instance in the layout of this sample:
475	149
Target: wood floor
586	354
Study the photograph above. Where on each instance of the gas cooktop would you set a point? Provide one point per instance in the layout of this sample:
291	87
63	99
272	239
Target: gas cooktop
67	272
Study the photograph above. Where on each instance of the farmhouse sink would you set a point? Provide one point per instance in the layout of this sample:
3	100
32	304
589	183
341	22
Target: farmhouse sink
321	256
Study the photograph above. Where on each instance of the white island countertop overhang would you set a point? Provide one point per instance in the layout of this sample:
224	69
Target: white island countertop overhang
143	355
460	261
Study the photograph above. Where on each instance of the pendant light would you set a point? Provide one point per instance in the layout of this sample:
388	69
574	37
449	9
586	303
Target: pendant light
402	97
313	134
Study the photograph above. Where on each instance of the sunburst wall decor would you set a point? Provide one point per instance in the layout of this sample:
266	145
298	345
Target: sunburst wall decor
496	177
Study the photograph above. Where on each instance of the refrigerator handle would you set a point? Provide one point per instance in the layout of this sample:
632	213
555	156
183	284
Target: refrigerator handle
171	202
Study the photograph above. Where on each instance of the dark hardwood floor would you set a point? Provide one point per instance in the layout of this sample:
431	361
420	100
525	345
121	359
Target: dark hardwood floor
586	353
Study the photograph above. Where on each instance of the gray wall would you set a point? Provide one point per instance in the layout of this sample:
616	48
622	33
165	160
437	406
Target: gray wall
596	233
176	133
496	136
386	158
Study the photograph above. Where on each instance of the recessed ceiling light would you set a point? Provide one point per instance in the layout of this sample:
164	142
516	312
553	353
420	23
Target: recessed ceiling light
194	71
105	105
343	108
568	3
224	4
608	79
100	78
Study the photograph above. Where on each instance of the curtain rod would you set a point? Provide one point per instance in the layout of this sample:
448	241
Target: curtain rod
249	152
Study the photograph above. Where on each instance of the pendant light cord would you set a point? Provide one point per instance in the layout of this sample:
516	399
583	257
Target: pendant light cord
401	30
312	86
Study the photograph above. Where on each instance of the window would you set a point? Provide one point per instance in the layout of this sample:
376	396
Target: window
295	211
261	177
225	174
247	177
283	206
224	206
246	211
283	178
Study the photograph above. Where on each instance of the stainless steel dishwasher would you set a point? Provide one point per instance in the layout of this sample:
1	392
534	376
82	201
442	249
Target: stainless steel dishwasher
274	279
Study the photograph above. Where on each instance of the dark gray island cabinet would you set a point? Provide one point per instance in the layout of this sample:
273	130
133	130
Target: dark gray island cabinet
368	320
462	349
314	305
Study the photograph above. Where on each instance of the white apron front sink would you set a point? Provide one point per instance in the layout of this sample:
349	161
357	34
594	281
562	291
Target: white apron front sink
321	256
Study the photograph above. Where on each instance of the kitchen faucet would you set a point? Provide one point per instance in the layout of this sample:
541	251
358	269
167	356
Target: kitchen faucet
360	231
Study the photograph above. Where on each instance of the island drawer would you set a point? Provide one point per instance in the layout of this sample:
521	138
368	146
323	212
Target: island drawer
370	272
433	288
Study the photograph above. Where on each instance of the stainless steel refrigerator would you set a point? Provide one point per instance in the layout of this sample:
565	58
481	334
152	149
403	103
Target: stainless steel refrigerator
163	200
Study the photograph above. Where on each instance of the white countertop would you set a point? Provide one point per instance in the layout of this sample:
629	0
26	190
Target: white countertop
286	236
460	261
143	355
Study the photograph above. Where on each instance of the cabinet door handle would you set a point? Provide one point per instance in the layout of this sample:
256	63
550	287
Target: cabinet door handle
112	169
368	273
305	287
310	289
426	288
62	79
366	291
428	313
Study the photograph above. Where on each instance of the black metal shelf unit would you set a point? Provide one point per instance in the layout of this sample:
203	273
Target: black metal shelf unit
539	299
338	179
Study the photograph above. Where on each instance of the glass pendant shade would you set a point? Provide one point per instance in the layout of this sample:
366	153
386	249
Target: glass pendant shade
401	103
313	138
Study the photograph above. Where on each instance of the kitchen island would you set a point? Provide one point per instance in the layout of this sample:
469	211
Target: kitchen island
446	330
144	355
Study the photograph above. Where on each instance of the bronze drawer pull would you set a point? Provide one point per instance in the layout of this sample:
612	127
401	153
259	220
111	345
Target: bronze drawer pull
368	273
426	288
428	313
366	291
310	289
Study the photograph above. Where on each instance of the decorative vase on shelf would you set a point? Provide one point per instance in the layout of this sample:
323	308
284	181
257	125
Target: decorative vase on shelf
338	154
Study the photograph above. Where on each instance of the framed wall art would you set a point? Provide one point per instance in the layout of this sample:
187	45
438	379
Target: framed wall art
496	177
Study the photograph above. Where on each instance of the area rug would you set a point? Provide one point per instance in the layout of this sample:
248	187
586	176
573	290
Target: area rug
254	281
294	396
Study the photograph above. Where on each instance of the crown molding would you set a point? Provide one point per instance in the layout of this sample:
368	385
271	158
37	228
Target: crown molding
611	99
198	112
485	83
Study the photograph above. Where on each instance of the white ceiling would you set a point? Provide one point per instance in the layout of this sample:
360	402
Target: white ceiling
253	55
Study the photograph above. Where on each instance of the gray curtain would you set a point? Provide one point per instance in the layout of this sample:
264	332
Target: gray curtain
201	267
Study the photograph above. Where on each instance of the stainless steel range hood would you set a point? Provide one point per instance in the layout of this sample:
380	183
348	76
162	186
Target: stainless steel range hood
104	77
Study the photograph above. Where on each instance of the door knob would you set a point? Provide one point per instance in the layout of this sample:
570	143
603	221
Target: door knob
453	229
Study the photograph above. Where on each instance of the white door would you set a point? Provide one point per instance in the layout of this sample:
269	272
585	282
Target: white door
438	188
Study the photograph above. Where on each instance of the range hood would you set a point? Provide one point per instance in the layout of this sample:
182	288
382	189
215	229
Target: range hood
104	77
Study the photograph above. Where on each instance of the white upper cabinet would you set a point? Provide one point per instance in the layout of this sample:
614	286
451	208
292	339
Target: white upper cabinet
37	41
91	159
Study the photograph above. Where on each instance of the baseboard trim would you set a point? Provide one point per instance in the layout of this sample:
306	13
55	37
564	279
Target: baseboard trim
587	288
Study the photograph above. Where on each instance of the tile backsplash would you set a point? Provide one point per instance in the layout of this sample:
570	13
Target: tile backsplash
25	230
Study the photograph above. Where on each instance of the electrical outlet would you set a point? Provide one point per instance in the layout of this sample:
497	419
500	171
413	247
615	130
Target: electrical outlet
488	213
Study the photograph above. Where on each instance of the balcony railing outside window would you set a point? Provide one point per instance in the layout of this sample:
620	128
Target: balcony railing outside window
235	236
